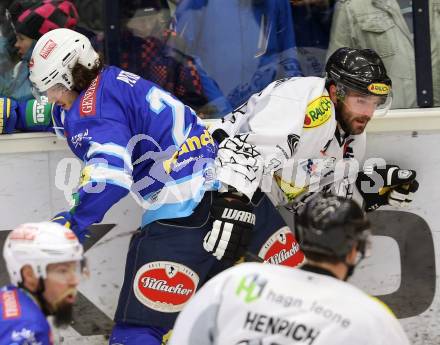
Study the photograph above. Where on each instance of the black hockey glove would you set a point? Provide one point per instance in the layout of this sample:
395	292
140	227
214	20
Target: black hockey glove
231	231
387	185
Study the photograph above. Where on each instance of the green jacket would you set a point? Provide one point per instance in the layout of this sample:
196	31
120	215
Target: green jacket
379	25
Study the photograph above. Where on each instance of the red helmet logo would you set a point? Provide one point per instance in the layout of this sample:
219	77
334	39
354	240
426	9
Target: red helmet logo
47	49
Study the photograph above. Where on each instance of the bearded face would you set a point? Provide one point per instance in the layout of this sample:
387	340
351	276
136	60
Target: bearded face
60	290
349	121
354	110
63	315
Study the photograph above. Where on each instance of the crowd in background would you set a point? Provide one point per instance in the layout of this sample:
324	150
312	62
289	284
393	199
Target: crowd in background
214	54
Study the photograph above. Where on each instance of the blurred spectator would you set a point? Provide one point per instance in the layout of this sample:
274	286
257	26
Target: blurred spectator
91	21
172	4
156	53
7	40
242	44
379	25
312	20
30	20
90	14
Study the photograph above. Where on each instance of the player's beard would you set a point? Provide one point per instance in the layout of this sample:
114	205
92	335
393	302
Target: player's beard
349	121
63	310
63	315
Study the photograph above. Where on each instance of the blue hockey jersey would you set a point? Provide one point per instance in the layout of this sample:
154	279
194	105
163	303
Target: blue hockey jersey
21	320
134	138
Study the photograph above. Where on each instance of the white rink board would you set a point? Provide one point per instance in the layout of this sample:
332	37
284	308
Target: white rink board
28	193
418	151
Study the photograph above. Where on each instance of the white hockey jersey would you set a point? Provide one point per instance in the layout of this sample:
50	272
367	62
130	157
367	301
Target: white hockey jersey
258	304
292	124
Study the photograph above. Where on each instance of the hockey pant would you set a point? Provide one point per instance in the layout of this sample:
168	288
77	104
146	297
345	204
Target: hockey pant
166	264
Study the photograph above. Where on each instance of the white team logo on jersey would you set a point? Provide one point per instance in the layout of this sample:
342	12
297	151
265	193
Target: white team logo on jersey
77	139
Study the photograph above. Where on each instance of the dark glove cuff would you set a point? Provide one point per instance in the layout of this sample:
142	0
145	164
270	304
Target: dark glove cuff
219	135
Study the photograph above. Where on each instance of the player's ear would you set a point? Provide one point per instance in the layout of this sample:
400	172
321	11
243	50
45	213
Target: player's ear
352	255
30	280
332	93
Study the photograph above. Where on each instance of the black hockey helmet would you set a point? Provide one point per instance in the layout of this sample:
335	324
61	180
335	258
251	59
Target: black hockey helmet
359	69
330	225
362	71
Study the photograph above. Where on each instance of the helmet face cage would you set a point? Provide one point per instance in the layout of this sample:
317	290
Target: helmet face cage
39	245
53	94
68	271
365	102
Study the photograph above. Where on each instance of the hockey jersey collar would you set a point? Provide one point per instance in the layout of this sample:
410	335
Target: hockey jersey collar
318	270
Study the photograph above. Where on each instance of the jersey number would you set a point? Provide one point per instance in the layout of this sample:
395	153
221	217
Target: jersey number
158	100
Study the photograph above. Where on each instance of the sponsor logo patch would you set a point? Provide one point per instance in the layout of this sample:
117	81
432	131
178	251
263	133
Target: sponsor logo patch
70	235
379	89
282	249
24	233
241	216
87	106
191	144
25	336
77	139
11	306
165	286
47	49
38	113
250	288
318	112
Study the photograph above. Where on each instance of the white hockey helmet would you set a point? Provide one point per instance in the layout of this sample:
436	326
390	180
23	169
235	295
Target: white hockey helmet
54	56
38	245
